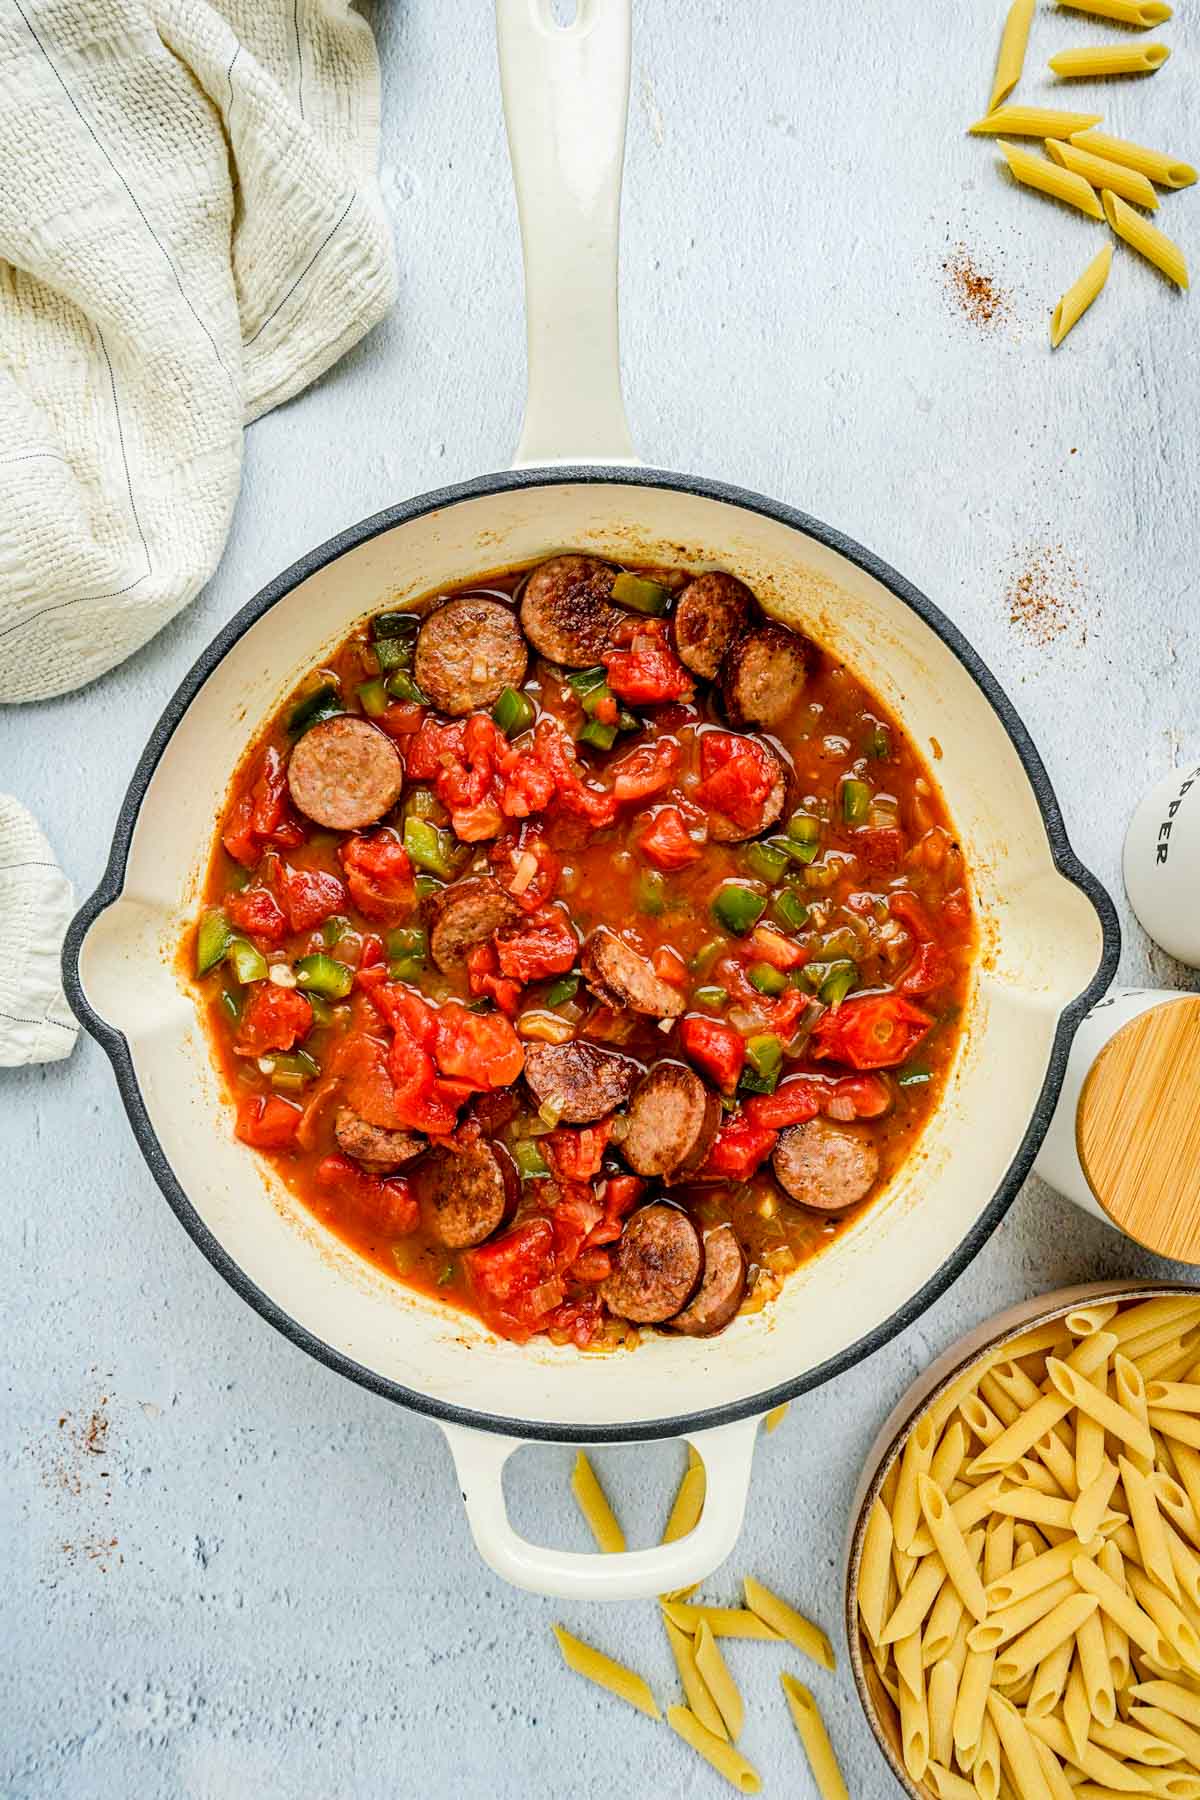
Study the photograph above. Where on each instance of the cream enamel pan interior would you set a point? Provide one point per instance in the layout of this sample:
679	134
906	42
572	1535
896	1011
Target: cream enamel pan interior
1049	930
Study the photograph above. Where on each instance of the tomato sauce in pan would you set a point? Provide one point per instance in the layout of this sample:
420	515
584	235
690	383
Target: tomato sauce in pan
427	1025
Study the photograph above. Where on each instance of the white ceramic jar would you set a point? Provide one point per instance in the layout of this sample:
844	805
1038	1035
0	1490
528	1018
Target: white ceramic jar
1161	864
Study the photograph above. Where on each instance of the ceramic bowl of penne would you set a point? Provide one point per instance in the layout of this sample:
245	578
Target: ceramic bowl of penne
1023	1579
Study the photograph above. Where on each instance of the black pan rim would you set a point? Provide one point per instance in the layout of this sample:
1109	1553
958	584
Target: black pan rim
1063	856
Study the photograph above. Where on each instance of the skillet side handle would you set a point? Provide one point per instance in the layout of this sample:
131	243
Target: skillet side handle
566	96
480	1456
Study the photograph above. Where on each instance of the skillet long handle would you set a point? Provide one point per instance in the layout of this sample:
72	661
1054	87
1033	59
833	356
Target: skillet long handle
566	96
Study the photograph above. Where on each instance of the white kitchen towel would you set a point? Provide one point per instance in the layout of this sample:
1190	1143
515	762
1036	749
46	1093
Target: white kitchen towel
36	903
190	232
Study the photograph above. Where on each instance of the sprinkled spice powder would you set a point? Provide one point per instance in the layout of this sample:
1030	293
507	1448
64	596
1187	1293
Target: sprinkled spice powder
1044	595
976	295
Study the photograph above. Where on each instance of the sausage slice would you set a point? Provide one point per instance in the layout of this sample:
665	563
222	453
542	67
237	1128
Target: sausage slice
825	1166
581	1079
721	1290
467	651
465	1195
466	913
345	773
567	612
709	614
764	674
725	830
374	1145
622	977
658	1263
673	1119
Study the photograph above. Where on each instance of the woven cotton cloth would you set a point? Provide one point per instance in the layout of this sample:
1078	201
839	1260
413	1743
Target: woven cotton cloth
190	232
36	902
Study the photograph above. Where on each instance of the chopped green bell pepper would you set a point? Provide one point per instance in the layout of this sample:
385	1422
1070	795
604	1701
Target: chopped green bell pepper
639	594
248	963
841	976
766	862
914	1075
856	802
324	702
324	975
513	712
333	929
766	978
409	940
401	686
738	908
212	940
879	743
373	698
764	1064
564	989
602	737
583	681
789	909
430	848
395	625
652	893
712	998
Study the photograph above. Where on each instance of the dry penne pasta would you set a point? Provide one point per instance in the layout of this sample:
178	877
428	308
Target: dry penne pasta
1104	174
1013	44
723	1621
595	1666
688	1505
1049	179
1053	1601
812	1733
683	1649
918	1454
785	1622
593	1504
1083	1321
721	1756
776	1416
1135	1323
1033	121
1120	59
719	1682
1144	13
1167	171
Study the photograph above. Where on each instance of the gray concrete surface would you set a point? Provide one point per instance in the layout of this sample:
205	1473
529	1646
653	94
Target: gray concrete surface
229	1573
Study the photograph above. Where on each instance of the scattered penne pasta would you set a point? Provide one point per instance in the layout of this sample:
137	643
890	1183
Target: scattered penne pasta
614	1676
1166	256
593	1504
813	1735
1143	13
719	1682
1102	173
1033	121
784	1621
1013	44
721	1756
776	1416
1131	59
1167	171
688	1504
705	1708
723	1621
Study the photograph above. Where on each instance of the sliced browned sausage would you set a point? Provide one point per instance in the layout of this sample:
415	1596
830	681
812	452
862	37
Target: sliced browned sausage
467	651
373	1145
728	831
658	1262
464	914
673	1119
721	1290
622	977
825	1166
763	676
709	614
580	1079
567	612
345	773
465	1194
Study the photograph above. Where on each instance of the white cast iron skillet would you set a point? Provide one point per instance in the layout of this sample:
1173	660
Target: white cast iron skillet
1050	932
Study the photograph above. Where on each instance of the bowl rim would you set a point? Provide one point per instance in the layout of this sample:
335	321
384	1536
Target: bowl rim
109	888
952	1364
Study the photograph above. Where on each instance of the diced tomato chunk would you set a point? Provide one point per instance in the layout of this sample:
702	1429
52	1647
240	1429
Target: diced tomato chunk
592	1265
526	867
739	1149
310	896
513	1280
267	1122
401	719
874	1032
482	978
649	676
929	969
275	1018
908	909
554	751
737	774
793	1102
857	1097
262	815
576	1155
717	1050
956	910
378	874
547	945
257	912
664	840
388	1202
646	770
669	966
479	1048
767	945
619	1195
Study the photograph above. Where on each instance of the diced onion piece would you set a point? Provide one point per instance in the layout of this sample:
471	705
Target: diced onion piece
545	1028
526	869
266	1065
840	1107
282	975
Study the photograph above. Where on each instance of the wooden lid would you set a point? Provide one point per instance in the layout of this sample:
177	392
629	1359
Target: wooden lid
1138	1129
